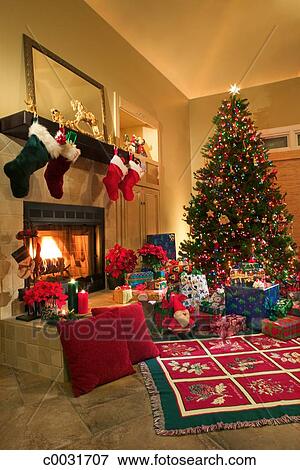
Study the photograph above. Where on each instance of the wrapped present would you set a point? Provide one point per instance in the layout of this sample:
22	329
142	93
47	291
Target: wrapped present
204	321
149	294
175	268
227	325
215	304
294	295
247	273
157	284
283	328
295	310
166	240
280	309
194	287
122	294
134	279
254	304
160	275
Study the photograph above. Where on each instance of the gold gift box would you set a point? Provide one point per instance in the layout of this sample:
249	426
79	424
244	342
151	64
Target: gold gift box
122	296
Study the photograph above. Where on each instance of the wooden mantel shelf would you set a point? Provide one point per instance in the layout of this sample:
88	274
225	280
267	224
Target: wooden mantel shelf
17	125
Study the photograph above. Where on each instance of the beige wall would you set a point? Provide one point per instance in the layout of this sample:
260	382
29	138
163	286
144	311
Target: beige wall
272	105
74	32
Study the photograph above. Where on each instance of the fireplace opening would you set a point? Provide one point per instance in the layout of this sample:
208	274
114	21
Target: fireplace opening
70	240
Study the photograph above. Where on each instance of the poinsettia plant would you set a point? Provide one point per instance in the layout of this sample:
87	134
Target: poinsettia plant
153	256
44	292
119	261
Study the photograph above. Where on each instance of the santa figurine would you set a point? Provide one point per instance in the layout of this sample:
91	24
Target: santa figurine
132	147
140	146
181	322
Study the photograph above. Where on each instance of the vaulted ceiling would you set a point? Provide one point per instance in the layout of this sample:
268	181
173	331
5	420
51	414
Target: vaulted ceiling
202	46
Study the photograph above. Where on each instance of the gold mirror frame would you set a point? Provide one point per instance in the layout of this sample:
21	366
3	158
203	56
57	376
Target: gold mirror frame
29	45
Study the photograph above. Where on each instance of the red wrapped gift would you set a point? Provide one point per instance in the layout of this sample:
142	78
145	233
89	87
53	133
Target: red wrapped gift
227	325
204	320
175	267
283	328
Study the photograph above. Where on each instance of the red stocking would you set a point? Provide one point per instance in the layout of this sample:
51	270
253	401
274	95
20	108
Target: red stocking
131	179
57	167
115	173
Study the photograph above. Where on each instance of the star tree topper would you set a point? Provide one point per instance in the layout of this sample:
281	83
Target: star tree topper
234	89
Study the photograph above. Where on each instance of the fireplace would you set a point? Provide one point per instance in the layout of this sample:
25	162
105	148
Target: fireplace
71	242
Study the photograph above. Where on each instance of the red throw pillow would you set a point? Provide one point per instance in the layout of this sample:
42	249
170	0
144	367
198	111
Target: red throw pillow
93	352
134	330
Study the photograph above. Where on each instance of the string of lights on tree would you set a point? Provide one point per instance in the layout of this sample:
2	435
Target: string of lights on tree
237	212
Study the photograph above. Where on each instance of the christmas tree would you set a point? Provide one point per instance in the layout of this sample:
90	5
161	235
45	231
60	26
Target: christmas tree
237	212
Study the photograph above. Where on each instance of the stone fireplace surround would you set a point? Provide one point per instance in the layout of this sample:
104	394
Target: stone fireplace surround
28	346
82	186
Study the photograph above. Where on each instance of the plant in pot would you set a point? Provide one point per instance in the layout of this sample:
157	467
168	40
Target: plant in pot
154	258
45	299
119	261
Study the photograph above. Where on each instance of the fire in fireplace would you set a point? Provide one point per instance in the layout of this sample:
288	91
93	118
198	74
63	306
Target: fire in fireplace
70	240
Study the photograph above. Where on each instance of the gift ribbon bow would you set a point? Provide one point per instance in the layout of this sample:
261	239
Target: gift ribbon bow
280	309
125	287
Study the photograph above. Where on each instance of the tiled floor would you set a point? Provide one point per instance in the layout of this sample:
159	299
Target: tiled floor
36	413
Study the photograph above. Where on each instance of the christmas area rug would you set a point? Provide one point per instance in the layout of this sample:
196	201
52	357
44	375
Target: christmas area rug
207	385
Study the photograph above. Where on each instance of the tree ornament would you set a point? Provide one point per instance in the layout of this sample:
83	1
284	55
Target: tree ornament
223	220
210	213
216	244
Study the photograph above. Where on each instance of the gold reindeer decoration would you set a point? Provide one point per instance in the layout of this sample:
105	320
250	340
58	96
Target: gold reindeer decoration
82	115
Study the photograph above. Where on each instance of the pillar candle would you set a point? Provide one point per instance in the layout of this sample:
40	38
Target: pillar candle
83	302
72	295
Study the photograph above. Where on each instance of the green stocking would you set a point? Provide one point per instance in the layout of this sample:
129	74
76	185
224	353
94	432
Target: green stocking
39	147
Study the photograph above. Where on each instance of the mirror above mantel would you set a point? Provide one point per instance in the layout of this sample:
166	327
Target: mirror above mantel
54	84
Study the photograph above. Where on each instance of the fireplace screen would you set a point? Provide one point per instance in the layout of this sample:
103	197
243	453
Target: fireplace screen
68	248
67	251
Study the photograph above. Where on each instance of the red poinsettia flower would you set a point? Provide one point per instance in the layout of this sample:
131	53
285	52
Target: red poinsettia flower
48	292
153	255
120	260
